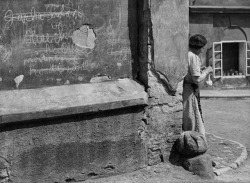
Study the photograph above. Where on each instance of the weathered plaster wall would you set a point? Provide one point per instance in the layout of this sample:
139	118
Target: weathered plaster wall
65	42
73	148
84	146
163	30
217	27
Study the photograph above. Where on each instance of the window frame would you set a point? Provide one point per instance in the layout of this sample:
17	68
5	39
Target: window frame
247	58
221	59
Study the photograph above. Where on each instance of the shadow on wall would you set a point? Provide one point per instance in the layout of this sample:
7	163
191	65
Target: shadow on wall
162	77
67	119
209	57
133	35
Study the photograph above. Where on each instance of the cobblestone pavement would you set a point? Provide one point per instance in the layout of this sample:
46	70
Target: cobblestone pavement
226	154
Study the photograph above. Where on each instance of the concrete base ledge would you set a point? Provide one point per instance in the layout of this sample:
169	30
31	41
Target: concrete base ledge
219	9
225	93
29	104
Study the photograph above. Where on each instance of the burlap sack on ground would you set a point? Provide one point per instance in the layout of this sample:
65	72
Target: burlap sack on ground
191	144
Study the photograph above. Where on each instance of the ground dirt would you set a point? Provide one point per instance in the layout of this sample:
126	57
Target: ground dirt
227	118
230	119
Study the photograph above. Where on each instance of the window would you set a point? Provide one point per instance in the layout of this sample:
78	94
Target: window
231	59
247	58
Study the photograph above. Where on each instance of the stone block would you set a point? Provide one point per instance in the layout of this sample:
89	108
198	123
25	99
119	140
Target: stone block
200	165
78	147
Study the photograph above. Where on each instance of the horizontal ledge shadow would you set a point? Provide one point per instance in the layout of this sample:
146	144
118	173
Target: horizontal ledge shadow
219	9
29	104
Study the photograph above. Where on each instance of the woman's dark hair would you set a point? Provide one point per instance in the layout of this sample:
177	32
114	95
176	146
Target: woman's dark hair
197	41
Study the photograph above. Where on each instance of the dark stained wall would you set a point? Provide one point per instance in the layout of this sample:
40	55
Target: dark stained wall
50	42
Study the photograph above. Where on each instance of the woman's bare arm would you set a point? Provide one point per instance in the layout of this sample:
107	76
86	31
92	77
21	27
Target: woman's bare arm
205	72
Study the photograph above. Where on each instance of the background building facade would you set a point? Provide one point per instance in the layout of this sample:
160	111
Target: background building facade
226	26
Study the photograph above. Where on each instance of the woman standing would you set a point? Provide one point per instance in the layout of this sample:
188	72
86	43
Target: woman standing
192	114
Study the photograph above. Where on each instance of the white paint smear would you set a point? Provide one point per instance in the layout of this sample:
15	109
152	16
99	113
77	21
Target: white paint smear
18	80
84	37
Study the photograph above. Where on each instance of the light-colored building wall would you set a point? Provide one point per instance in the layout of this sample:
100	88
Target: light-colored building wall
222	21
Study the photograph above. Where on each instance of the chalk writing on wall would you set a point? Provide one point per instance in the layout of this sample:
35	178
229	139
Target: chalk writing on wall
49	41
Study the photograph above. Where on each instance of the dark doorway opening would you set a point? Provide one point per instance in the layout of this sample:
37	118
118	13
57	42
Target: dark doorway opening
230	58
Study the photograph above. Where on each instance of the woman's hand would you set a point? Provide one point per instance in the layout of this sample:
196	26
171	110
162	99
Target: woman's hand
208	70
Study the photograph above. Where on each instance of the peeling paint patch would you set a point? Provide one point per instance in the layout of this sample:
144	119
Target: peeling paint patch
84	37
119	65
18	80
